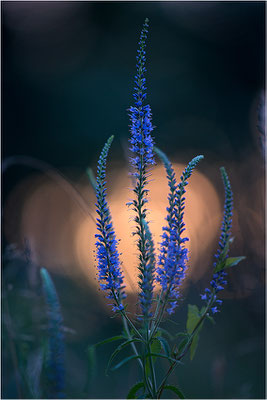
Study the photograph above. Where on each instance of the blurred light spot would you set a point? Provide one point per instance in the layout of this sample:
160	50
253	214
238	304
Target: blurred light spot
62	236
202	218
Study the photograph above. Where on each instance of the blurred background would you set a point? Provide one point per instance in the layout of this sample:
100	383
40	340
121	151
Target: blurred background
67	80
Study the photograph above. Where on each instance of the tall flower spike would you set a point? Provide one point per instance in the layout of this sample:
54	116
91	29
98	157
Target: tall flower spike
109	270
173	254
140	114
219	277
142	148
55	361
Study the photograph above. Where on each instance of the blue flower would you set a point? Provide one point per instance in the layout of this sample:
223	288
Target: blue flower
142	148
109	270
218	281
140	114
173	254
214	310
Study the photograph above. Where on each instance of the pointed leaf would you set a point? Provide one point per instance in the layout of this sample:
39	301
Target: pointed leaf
109	340
181	334
118	349
124	361
134	390
194	346
176	390
163	356
195	342
182	345
155	346
165	345
192	318
229	262
232	261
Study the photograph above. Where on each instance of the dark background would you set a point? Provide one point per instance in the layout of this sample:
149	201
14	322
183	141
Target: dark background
67	78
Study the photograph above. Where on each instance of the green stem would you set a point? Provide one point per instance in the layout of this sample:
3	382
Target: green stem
156	312
130	337
124	315
151	365
157	323
125	319
147	383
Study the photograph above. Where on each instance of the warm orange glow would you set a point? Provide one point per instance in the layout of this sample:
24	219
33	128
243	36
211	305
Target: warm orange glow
202	217
62	235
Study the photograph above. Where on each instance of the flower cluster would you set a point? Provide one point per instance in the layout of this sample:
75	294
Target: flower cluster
140	114
171	265
110	275
210	296
142	147
169	268
173	254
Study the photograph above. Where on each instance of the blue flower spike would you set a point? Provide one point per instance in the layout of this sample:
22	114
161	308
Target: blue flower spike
218	281
140	114
141	143
109	268
173	256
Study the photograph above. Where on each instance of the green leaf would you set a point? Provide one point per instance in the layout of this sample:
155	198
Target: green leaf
118	349
194	346
220	266
134	390
155	346
229	262
192	318
232	261
181	334
109	340
182	345
163	356
165	345
124	361
175	389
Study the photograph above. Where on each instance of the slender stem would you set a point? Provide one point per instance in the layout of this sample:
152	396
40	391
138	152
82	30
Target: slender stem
157	323
156	311
151	365
132	325
172	367
146	379
130	337
124	315
125	319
